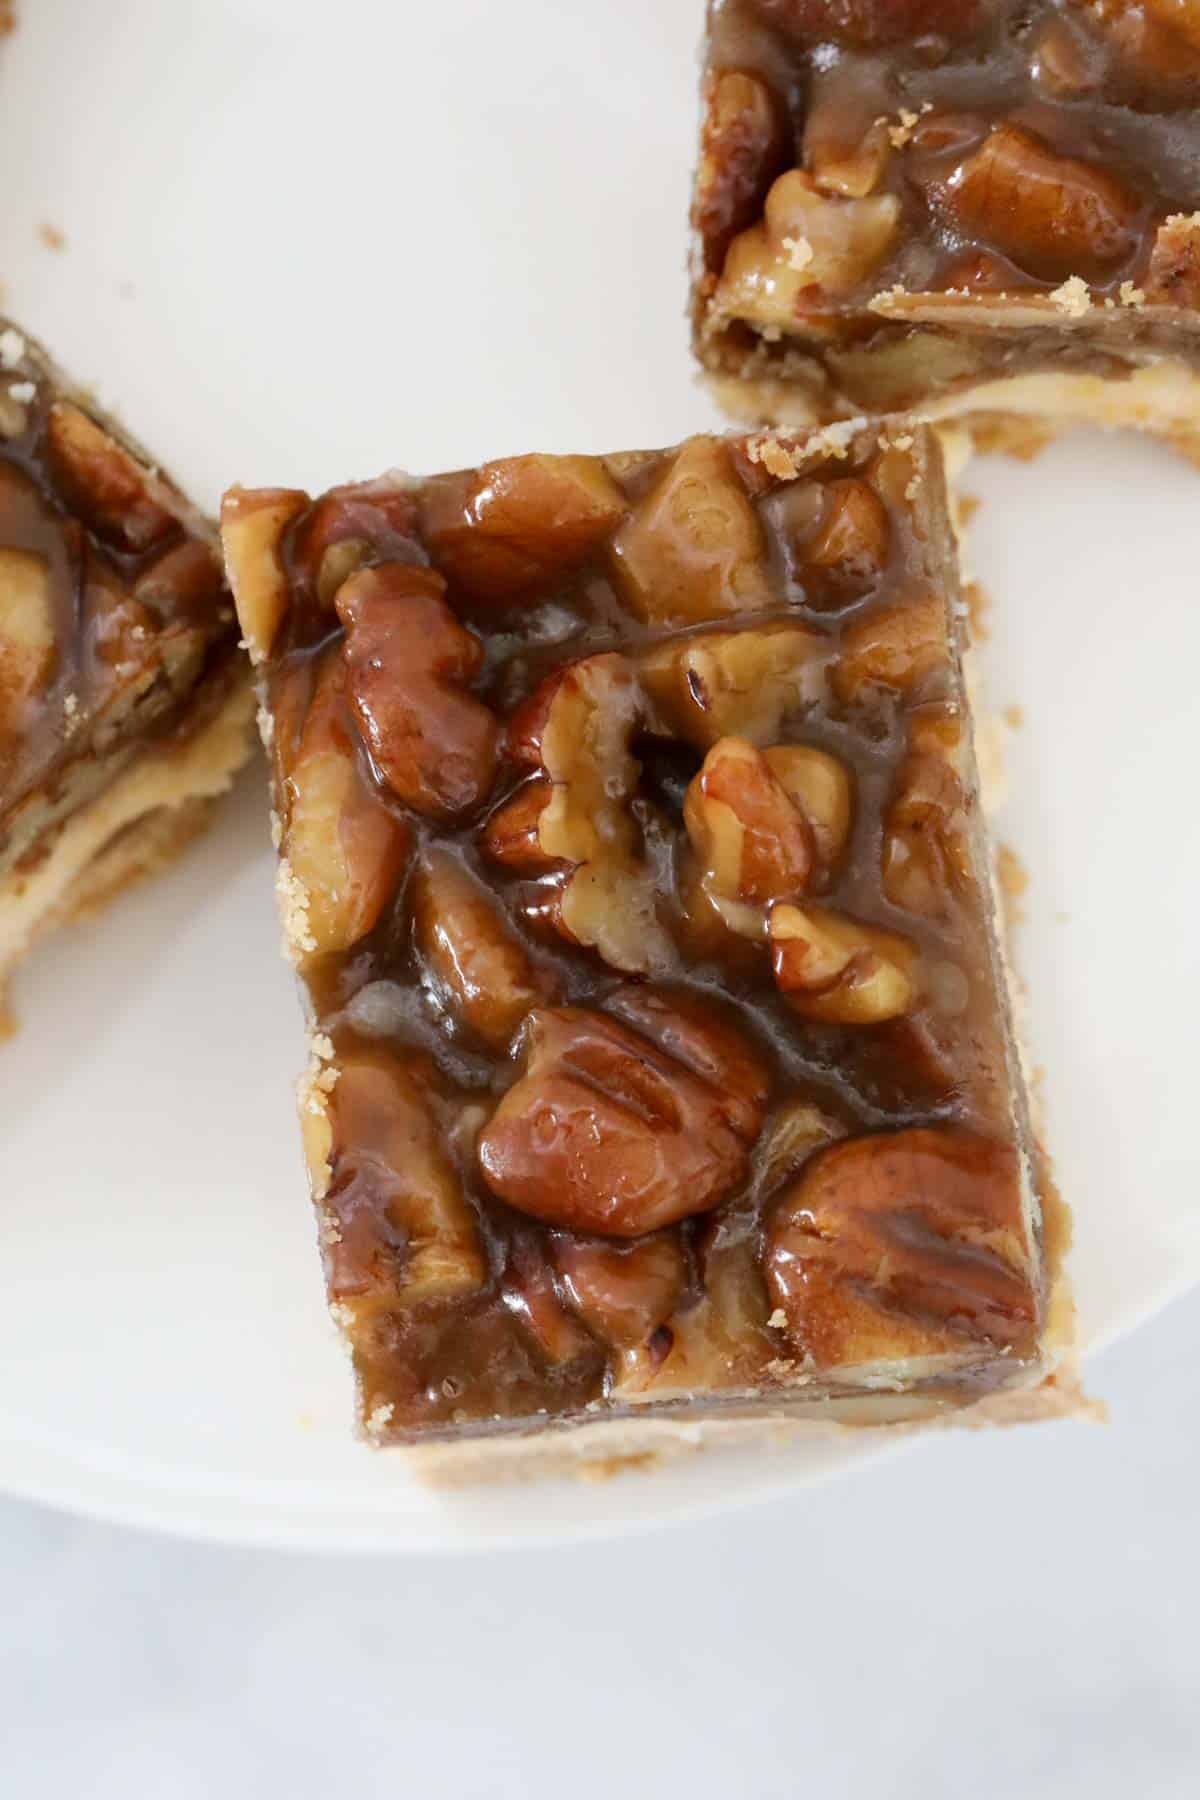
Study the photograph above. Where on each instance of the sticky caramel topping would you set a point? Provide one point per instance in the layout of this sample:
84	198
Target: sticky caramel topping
857	154
630	850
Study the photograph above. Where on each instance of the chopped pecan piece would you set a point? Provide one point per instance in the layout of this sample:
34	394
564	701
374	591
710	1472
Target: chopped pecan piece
576	816
901	646
471	950
811	247
1054	215
27	647
849	553
101	482
393	1191
345	851
409	663
623	1292
507	531
926	852
733	683
839	970
606	1131
742	146
753	843
902	1243
253	523
693	548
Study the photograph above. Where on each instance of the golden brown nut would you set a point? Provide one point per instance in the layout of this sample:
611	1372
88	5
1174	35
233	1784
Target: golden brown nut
531	1295
101	482
369	521
822	788
1063	60
901	646
27	646
810	248
789	1138
693	548
508	531
845	150
253	522
404	1223
866	24
742	147
409	661
907	1243
344	849
926	849
849	553
607	1132
575	731
1054	215
623	1292
511	835
1173	275
471	950
733	683
693	1030
752	842
837	969
723	1341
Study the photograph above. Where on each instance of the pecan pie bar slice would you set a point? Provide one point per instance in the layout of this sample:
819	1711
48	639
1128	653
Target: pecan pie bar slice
124	701
663	1081
981	206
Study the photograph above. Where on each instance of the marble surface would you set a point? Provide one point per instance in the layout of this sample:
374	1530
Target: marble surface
988	1615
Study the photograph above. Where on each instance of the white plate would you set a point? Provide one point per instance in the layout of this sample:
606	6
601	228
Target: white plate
303	244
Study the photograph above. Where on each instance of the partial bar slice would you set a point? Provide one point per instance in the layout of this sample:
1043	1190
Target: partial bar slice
952	206
631	854
124	702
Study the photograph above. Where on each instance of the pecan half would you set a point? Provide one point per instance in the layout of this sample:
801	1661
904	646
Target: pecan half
609	1130
508	531
906	1243
623	1292
409	661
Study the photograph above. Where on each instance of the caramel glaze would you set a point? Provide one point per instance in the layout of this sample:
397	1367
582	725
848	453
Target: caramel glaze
1022	142
692	1307
141	631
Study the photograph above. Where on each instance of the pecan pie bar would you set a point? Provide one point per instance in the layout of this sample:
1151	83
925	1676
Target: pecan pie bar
124	701
663	1080
983	206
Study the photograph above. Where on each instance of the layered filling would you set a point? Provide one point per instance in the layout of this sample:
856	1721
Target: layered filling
898	203
117	637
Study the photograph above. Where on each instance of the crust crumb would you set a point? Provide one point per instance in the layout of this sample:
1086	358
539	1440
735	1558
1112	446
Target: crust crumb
293	910
799	252
775	458
882	302
1073	297
1131	295
12	348
1014	717
51	237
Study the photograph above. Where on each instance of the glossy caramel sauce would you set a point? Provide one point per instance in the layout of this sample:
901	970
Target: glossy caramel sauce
943	148
586	1050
